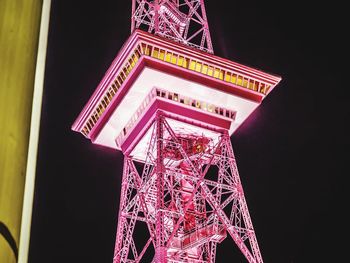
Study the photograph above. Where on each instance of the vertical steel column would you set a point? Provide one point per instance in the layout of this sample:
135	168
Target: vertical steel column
160	250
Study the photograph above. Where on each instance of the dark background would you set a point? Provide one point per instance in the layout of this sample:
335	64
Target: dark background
291	152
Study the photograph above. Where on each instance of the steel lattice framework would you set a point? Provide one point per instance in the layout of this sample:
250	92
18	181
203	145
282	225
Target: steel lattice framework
183	21
187	199
171	108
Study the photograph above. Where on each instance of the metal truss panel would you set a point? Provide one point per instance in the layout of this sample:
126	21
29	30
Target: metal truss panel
183	21
189	196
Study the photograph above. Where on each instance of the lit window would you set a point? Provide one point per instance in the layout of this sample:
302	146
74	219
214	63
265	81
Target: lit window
234	78
173	59
204	69
239	80
210	71
176	96
251	84
256	85
245	82
180	61
104	104
227	77
221	75
198	67
262	88
216	73
155	52
168	57
192	65
161	54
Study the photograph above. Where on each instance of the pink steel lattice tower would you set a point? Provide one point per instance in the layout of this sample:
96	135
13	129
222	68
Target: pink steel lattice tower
170	106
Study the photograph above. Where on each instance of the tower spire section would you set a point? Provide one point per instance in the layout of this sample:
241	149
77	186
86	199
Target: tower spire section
183	21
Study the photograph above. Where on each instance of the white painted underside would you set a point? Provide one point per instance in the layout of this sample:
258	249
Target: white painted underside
150	78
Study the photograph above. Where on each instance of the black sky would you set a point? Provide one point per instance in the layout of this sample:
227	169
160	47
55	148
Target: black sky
291	152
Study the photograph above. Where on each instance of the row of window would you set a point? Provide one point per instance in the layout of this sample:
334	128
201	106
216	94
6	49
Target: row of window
176	59
204	68
112	90
178	98
196	103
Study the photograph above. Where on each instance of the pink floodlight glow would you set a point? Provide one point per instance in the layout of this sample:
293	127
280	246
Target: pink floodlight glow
170	106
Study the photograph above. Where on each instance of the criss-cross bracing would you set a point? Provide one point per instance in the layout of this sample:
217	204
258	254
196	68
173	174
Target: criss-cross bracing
170	105
188	195
183	21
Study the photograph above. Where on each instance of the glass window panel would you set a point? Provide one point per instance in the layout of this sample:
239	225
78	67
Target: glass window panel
173	59
198	66
234	78
161	54
204	69
262	87
185	63
210	71
256	85
180	60
168	57
251	84
192	65
155	52
245	82
239	80
221	75
216	73
227	77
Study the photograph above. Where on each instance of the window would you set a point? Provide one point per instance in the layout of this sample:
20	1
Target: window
245	82
180	60
204	69
173	59
210	71
168	57
155	52
234	78
192	65
198	67
239	80
161	54
227	77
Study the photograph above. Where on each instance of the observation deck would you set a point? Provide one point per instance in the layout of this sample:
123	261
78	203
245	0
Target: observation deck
150	73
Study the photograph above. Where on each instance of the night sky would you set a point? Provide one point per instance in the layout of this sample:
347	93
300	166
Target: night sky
291	152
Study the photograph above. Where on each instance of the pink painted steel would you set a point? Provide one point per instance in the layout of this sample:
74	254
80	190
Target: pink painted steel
183	21
189	196
186	193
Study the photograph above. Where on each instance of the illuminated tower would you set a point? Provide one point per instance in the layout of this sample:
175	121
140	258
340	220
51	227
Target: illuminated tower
170	106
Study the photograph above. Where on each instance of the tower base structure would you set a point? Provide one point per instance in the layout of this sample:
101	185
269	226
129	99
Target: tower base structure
188	194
